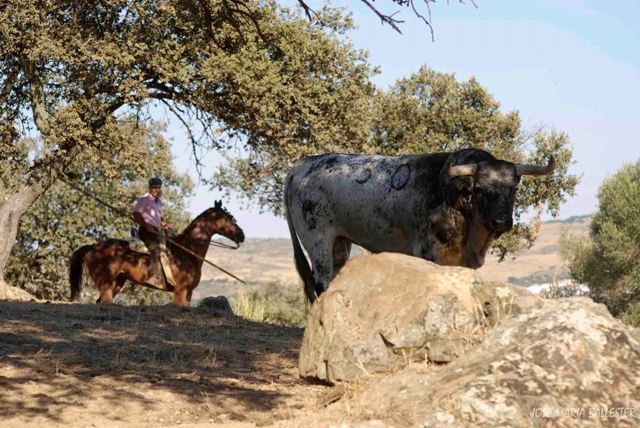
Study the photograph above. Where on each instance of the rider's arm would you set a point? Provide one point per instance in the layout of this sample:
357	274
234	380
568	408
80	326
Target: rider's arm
137	216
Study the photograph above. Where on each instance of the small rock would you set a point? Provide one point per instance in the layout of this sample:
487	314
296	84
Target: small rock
216	306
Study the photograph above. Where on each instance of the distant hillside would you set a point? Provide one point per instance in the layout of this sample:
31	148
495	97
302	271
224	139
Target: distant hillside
260	261
572	220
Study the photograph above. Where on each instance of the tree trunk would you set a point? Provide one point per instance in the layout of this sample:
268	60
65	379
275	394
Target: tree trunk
13	204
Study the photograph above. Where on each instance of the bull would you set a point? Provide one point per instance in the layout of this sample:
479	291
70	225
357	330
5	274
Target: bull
444	207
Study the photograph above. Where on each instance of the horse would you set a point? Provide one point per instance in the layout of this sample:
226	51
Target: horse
111	263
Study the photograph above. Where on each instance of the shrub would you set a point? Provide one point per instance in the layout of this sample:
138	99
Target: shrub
272	303
608	261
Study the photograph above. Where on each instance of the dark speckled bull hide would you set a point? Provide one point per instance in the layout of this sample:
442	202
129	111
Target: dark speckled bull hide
443	207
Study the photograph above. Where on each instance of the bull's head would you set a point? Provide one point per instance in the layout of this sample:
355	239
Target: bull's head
490	187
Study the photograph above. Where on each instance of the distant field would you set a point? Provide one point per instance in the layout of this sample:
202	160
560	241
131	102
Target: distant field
261	261
541	263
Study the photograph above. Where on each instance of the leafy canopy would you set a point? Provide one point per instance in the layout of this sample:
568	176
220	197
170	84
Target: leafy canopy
248	72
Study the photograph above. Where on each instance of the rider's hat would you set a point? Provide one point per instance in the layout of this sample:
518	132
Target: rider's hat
155	182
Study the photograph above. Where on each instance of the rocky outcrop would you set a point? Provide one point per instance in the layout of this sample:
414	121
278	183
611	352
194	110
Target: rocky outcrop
565	363
460	352
385	310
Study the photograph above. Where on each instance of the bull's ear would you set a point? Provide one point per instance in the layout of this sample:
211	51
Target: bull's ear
523	169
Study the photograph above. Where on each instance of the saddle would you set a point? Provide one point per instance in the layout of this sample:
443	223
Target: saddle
137	245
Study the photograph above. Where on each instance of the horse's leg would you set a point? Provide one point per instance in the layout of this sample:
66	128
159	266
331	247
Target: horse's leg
105	283
120	280
106	293
180	296
189	294
341	252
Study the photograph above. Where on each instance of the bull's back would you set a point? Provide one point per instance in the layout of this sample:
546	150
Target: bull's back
371	200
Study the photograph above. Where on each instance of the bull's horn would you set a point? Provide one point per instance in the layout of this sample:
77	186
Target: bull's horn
460	170
522	169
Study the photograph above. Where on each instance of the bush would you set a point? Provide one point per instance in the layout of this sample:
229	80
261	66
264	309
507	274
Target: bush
272	303
608	261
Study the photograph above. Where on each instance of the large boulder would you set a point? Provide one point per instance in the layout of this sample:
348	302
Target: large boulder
386	310
565	363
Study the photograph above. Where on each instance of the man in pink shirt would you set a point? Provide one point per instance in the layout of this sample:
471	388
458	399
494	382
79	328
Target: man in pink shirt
148	214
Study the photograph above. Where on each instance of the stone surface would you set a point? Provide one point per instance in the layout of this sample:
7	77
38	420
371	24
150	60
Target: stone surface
385	310
217	306
564	363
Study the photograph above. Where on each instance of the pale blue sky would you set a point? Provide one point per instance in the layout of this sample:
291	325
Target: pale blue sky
573	65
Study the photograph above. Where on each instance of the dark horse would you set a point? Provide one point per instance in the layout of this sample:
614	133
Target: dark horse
111	263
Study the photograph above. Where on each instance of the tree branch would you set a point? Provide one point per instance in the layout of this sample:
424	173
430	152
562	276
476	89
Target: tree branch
427	22
37	98
386	19
194	142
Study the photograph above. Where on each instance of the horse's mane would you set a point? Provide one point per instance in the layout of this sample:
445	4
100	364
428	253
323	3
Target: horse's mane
187	230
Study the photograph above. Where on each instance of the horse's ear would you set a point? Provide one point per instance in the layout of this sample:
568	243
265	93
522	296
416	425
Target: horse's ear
218	204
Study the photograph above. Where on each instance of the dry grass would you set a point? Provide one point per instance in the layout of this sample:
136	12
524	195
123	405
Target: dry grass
246	306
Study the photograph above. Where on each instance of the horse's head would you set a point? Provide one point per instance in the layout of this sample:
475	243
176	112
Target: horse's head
224	224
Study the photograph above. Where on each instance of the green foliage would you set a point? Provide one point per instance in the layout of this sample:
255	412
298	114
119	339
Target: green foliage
251	73
609	260
272	303
64	219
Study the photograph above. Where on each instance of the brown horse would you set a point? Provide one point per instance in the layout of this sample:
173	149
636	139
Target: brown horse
111	263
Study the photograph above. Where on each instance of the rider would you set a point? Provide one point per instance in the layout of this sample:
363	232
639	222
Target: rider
148	214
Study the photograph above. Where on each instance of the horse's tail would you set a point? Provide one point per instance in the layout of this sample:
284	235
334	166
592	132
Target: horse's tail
75	269
302	265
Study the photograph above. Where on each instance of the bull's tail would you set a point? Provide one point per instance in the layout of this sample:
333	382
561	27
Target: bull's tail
75	269
302	265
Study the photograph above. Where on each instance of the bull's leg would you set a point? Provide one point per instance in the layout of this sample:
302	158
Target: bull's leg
341	252
321	256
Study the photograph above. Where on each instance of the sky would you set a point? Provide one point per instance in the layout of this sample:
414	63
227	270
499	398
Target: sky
572	65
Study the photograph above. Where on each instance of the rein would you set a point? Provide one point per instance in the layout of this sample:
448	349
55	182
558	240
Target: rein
223	245
128	216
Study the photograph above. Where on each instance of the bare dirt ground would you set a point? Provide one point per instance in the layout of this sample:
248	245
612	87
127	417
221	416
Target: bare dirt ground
88	365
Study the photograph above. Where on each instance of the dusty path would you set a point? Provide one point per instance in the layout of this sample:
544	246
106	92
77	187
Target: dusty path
88	365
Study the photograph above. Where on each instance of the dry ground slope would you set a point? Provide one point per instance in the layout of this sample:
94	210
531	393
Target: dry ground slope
89	365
